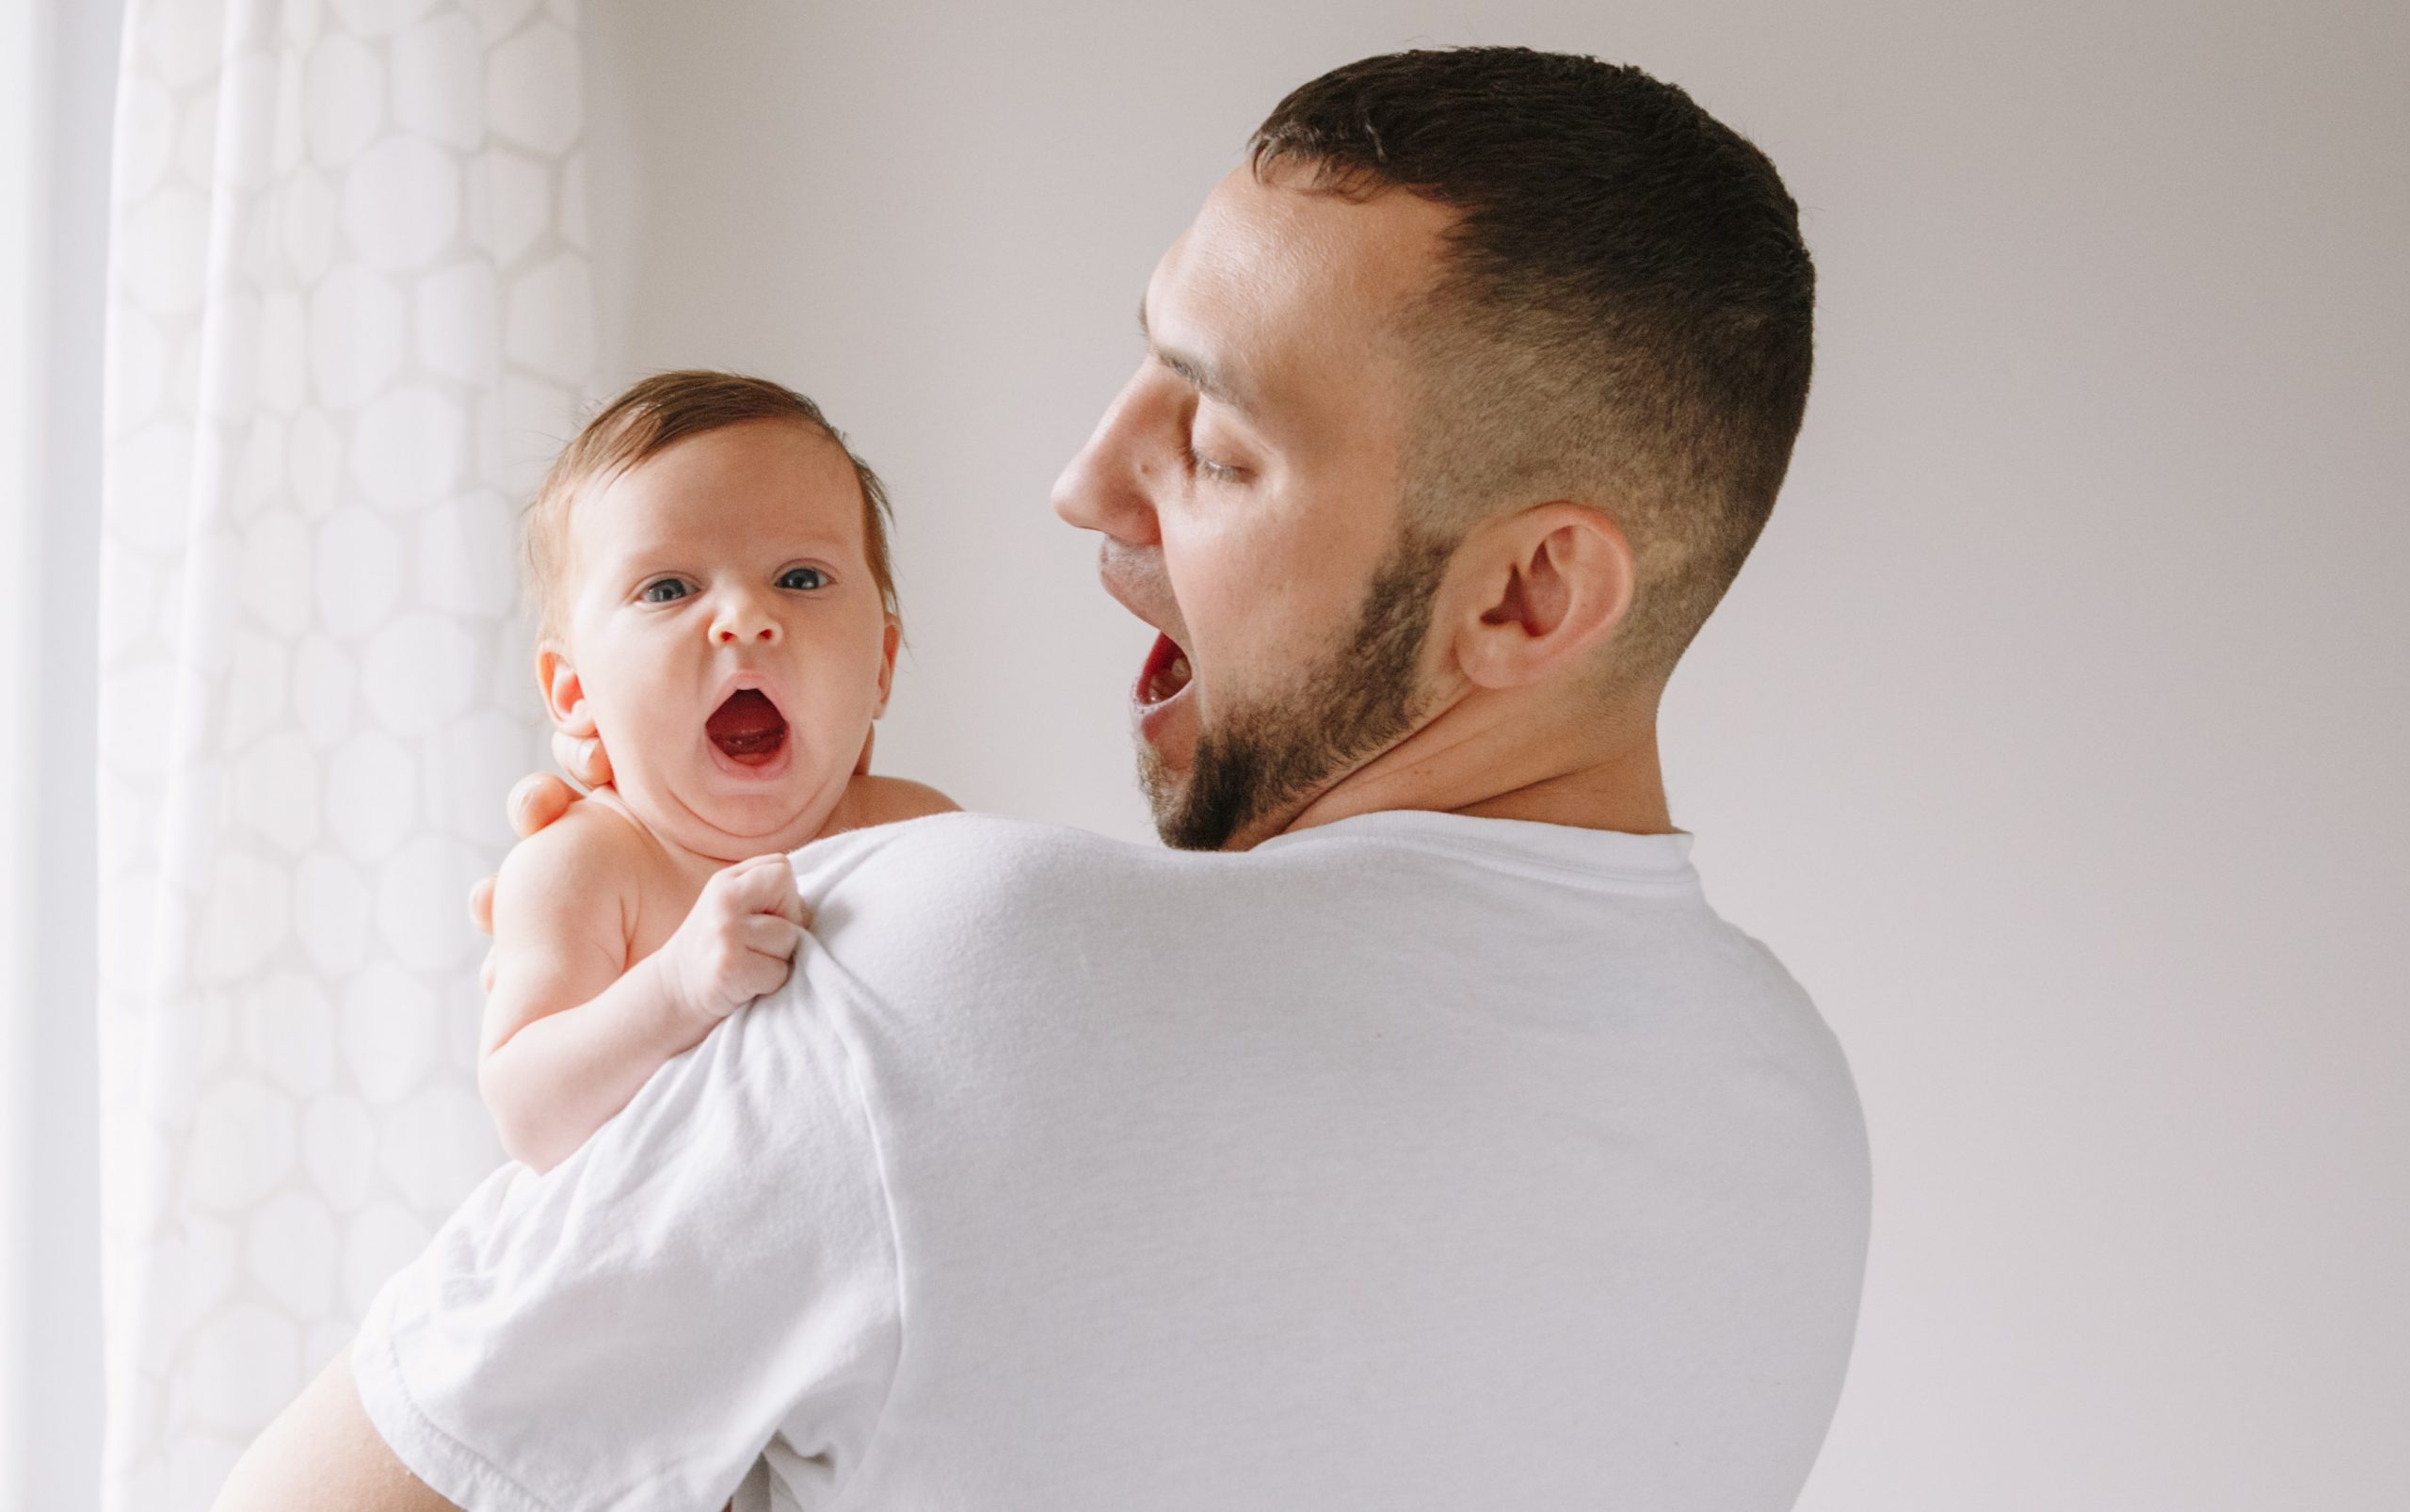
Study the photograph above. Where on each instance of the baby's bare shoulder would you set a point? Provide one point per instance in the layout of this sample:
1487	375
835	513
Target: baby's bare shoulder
874	800
591	851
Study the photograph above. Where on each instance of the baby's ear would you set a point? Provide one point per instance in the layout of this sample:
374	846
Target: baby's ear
886	664
564	695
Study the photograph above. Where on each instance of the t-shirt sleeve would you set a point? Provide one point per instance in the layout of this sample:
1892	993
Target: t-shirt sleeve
715	1269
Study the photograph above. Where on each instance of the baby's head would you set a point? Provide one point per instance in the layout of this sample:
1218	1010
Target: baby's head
709	567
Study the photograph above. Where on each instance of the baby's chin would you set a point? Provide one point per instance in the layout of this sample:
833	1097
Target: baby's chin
736	826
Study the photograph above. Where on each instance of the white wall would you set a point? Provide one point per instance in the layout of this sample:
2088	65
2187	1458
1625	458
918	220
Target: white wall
2055	736
61	66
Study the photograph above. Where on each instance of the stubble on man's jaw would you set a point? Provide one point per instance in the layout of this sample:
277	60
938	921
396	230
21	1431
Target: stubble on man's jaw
1273	756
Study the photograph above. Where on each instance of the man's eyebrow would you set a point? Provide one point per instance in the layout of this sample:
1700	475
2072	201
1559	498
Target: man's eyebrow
1195	371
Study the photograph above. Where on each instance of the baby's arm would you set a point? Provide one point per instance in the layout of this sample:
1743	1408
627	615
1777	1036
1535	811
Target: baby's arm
571	1029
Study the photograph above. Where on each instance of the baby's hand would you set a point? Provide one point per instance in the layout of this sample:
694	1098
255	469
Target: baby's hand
737	941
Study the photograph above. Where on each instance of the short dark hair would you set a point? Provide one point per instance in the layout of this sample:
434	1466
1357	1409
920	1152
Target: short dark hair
644	421
1625	315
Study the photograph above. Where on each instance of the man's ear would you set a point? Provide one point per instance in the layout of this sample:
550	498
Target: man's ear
1539	590
564	694
886	664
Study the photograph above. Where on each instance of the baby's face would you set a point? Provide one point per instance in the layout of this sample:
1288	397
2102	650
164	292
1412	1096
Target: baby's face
725	636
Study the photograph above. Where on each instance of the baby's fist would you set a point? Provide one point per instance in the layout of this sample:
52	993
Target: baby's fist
738	940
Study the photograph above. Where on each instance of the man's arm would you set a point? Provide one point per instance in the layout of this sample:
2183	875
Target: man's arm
322	1451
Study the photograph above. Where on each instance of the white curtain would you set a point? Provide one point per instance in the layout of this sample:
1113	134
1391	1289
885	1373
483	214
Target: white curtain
350	318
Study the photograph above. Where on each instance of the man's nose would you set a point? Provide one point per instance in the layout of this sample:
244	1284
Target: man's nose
1103	488
743	620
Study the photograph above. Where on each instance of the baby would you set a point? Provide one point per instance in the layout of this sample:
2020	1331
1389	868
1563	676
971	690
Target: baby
709	565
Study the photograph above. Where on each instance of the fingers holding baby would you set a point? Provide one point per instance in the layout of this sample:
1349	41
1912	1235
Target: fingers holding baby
739	939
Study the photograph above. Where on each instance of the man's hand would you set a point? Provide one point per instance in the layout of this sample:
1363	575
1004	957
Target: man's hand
538	800
736	943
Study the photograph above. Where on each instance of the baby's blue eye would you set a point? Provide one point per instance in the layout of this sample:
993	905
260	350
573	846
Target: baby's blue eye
804	578
667	590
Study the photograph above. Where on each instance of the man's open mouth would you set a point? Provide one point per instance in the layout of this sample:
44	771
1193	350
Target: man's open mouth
1165	675
747	729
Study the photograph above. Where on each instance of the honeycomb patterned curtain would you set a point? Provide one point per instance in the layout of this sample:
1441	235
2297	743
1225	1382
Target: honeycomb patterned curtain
351	316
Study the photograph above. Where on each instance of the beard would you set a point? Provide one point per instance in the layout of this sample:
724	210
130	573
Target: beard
1352	703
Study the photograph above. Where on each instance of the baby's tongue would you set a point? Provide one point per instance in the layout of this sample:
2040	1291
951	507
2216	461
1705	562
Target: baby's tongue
747	727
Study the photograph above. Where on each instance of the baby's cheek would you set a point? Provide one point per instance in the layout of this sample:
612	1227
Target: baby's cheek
638	733
834	722
830	720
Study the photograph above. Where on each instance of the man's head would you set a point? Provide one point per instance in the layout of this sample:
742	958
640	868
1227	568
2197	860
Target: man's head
1480	377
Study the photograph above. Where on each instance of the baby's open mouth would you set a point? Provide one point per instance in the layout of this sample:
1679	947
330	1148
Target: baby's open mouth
748	728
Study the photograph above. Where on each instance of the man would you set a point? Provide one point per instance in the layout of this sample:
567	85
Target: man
1426	1141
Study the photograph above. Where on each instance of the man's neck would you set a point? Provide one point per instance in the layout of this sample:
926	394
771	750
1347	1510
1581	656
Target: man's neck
1501	761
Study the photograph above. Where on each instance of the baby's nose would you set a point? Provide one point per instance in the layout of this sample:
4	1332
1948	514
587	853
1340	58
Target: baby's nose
744	626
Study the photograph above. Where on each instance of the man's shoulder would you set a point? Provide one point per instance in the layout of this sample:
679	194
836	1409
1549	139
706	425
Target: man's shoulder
980	861
960	906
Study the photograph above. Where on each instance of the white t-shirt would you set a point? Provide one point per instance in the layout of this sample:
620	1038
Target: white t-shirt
1413	1161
